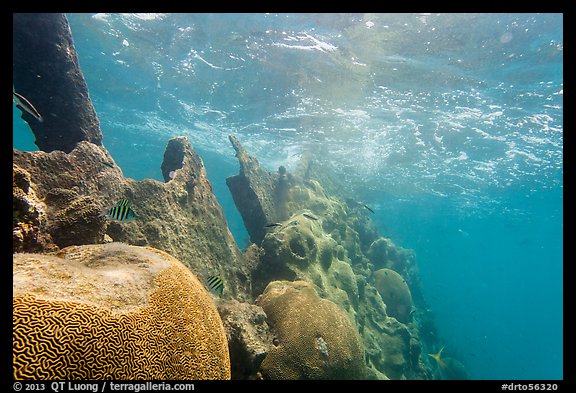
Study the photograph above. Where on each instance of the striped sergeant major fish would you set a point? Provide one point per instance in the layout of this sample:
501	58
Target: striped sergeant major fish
123	202
121	211
24	104
216	284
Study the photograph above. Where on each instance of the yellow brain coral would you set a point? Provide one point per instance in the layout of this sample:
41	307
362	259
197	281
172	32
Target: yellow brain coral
315	338
395	293
113	311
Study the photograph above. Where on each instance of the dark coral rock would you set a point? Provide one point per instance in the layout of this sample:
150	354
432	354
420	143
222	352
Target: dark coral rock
45	70
255	193
249	337
173	158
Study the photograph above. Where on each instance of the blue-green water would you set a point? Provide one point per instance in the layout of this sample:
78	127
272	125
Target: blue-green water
449	125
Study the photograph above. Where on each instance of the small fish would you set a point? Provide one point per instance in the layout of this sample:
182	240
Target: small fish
24	104
450	368
216	284
274	224
309	216
121	213
123	202
371	211
436	356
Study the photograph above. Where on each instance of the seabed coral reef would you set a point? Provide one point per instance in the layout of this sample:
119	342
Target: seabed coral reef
319	294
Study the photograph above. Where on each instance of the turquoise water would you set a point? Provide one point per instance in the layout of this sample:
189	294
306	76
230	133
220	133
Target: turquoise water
450	126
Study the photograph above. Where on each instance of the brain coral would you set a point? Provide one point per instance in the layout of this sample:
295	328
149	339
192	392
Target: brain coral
113	311
395	293
315	338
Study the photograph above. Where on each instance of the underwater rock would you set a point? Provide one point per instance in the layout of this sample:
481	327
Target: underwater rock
331	244
181	217
74	219
249	337
45	70
173	158
113	311
88	169
315	338
28	215
395	293
253	191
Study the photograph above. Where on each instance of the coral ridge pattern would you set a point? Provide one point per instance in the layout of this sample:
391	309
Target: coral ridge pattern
65	328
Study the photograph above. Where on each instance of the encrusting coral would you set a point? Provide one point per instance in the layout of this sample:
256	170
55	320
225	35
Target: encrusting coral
113	311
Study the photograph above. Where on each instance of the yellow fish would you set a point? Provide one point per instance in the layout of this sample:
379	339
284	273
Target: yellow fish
436	356
450	368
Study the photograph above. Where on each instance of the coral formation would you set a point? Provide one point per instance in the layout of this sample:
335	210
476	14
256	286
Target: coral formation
347	288
253	193
300	250
316	339
392	348
114	311
74	219
249	337
28	215
395	294
173	158
384	254
330	243
181	217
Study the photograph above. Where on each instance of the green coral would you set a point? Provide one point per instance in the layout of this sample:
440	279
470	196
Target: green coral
337	253
316	339
395	293
300	250
384	253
